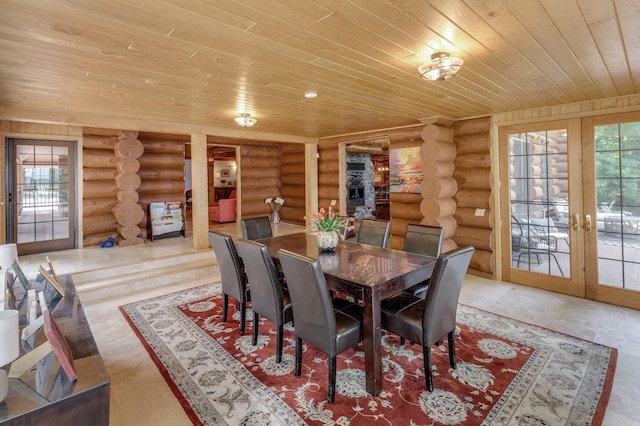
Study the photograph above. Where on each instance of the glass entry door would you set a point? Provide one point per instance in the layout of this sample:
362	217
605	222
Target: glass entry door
538	246
40	195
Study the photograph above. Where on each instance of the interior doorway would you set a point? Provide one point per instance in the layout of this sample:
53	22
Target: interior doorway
367	179
223	177
222	172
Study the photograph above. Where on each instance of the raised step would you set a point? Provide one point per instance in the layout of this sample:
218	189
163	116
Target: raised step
197	267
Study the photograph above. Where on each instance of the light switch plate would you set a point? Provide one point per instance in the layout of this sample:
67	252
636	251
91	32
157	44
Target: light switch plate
479	212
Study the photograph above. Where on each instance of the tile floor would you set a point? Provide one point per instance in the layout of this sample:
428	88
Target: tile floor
139	395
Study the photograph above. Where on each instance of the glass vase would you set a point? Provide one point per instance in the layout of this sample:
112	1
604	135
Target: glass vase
276	217
327	240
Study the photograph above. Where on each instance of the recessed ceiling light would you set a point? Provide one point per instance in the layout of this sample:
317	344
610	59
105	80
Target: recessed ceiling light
310	94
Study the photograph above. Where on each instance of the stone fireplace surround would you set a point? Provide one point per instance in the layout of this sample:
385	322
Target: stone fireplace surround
360	177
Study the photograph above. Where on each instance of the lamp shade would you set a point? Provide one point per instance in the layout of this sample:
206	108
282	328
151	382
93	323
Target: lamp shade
8	253
9	337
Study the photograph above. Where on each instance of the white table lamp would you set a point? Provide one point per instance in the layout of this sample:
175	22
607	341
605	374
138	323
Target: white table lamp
8	253
9	346
3	287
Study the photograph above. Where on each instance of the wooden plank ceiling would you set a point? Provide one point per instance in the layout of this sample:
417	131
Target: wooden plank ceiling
191	63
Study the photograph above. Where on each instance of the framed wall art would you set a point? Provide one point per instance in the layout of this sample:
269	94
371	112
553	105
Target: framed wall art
405	170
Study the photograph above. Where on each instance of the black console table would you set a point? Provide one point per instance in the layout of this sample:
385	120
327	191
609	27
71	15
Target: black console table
44	395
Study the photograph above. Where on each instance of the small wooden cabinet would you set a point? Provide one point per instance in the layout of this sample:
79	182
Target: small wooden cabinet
382	210
381	185
381	179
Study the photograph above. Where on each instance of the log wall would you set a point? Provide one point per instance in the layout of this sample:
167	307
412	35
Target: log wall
260	179
161	172
329	175
473	176
128	212
438	153
99	197
29	128
292	178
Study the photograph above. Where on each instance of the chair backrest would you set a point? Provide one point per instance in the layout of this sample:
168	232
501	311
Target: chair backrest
266	292
374	232
234	282
423	239
516	234
543	226
315	321
256	228
441	301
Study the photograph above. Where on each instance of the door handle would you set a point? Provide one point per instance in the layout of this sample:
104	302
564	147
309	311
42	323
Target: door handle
587	223
576	222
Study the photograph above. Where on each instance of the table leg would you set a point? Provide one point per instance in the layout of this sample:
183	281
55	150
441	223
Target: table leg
372	341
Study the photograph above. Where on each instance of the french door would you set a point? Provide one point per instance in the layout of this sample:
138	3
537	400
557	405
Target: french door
612	195
539	202
570	210
40	195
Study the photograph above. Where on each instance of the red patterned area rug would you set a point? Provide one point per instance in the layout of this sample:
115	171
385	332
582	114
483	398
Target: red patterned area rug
508	372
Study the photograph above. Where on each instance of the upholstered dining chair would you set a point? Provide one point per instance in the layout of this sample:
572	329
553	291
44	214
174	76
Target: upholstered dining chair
234	278
427	321
374	232
256	228
267	295
426	240
331	325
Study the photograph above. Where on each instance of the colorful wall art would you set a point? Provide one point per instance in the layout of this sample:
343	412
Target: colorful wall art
405	170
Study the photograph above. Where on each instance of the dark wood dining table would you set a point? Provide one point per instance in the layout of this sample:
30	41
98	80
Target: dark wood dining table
367	273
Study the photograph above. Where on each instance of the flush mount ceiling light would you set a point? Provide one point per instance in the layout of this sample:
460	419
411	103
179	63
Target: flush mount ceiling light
245	120
442	67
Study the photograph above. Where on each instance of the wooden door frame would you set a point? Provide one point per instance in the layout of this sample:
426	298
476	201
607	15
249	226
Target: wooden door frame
3	192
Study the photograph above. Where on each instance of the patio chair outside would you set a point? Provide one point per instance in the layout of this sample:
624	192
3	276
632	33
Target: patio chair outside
527	240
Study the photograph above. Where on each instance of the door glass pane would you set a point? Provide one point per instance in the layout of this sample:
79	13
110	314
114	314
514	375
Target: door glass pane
540	202
42	193
618	200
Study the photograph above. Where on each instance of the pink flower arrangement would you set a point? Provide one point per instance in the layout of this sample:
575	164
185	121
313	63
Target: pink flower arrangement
330	221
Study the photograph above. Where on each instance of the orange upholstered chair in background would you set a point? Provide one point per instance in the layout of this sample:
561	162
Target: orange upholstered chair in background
224	211
231	195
